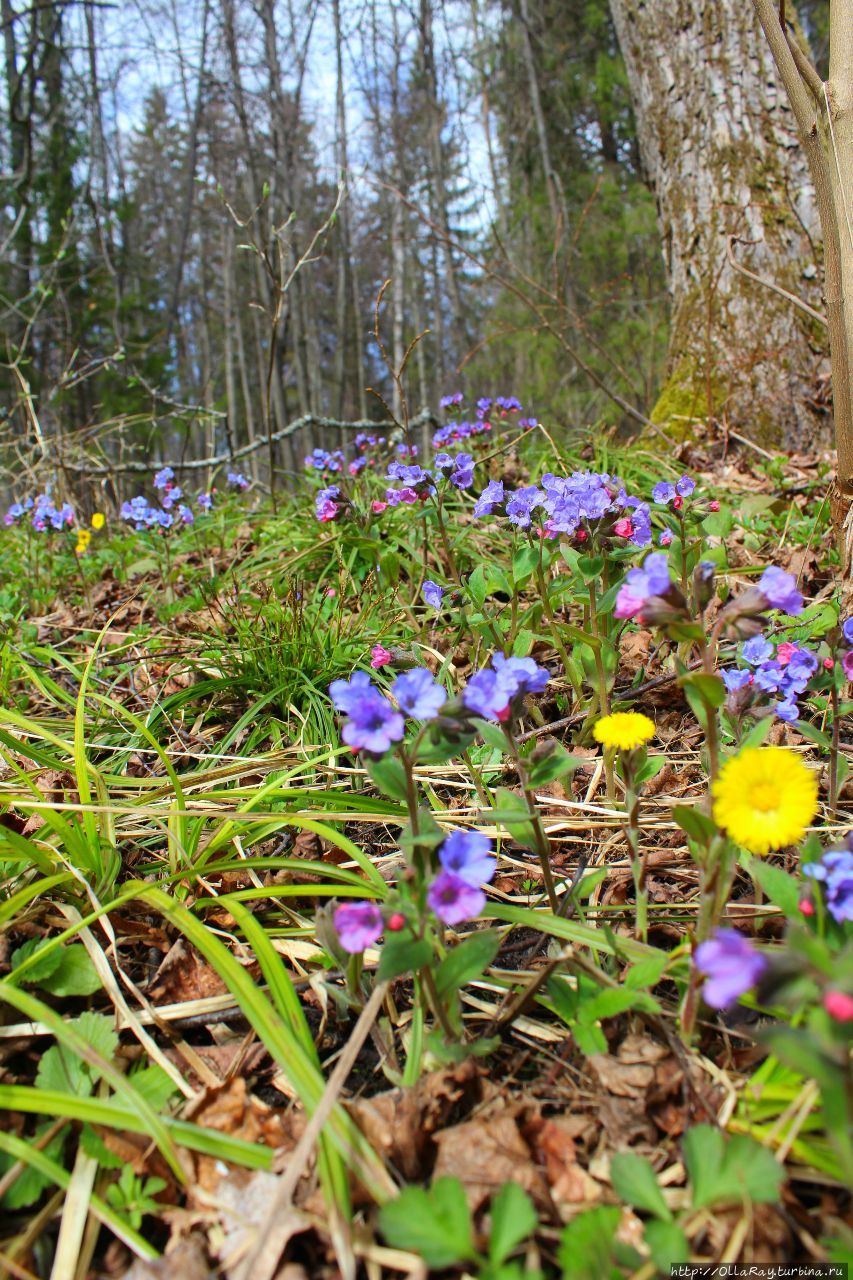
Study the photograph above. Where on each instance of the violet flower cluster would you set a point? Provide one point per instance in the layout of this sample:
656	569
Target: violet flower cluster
174	505
45	517
455	894
485	409
321	460
644	587
583	505
497	692
779	677
835	872
373	724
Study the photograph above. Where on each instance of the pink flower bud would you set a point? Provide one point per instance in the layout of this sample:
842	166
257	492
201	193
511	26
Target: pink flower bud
806	907
839	1006
678	502
623	528
581	535
396	922
331	593
785	652
828	664
380	656
378	507
714	505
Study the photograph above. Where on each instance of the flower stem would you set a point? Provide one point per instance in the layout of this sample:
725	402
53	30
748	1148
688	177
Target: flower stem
543	844
834	750
436	1003
555	631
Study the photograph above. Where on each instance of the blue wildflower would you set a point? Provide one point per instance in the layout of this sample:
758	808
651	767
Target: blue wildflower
419	694
433	594
468	854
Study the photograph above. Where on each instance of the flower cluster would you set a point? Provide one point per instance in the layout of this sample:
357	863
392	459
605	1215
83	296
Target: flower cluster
583	505
373	724
416	485
777	679
326	504
236	480
460	469
44	516
174	508
775	589
835	872
466	863
485	408
142	515
321	460
456	431
498	691
644	588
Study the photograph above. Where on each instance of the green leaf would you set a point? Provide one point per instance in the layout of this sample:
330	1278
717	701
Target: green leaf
63	1070
521	646
667	1244
492	735
76	974
512	813
513	1219
698	825
782	889
524	564
756	736
590	567
41	969
711	689
402	955
435	1224
634	1181
729	1172
558	763
586	1245
814	735
646	972
565	998
27	1188
436	747
389	776
685	631
615	1000
589	1038
467	960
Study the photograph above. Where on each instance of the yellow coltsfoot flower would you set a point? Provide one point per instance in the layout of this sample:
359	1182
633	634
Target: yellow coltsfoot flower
765	798
624	730
98	520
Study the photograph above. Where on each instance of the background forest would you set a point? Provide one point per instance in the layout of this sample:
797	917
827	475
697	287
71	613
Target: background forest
166	167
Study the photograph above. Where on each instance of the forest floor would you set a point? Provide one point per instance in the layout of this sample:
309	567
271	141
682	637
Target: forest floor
198	1078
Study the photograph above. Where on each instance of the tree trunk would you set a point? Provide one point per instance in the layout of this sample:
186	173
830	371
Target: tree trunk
824	115
719	144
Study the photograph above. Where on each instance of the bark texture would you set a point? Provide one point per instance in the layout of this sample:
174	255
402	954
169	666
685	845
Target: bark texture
720	147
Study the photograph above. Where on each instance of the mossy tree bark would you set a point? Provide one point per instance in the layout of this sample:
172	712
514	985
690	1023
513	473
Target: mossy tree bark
720	148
